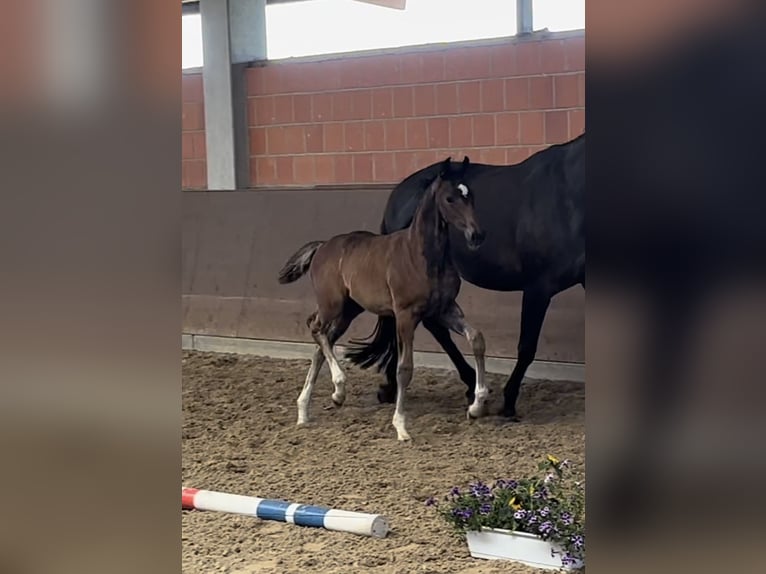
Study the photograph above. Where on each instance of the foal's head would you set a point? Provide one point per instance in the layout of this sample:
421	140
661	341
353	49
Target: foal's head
455	201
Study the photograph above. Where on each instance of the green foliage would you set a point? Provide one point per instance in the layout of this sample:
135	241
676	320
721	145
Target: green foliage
550	505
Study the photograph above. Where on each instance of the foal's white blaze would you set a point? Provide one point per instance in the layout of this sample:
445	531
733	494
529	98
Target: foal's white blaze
463	189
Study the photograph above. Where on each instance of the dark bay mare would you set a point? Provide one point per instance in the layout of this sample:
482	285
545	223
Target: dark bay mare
533	214
407	276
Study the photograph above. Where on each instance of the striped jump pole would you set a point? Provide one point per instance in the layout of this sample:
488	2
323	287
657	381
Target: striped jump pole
360	523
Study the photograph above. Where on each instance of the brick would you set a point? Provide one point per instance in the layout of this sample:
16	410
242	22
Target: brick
541	92
314	135
387	69
342	106
344	169
492	96
467	64
285	170
303	169
424	67
374	136
270	80
426	157
383	167
503	61
395	134
197	178
405	163
333	137
517	94
493	156
257	141
574	53
566	91
483	130
302	108
362	105
283	109
576	123
265	171
516	155
417	133
354	136
528	58
275	140
264	111
187	146
295	139
446	99
191	88
552	58
469	97
192	117
507	129
403	104
424	98
460	131
199	145
556	127
321	107
382	103
532	127
362	167
324	168
438	132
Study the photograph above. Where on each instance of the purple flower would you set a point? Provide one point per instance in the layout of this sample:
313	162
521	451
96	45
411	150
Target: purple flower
466	514
519	514
548	478
545	528
532	518
566	518
577	541
485	509
431	501
455	491
567	560
512	484
480	490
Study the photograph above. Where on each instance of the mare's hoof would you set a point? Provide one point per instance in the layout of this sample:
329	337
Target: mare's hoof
385	396
511	415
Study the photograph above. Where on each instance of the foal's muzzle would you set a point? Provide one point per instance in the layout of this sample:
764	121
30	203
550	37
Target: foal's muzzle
474	237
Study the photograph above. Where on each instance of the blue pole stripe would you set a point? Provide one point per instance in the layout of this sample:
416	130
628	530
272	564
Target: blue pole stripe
272	510
306	515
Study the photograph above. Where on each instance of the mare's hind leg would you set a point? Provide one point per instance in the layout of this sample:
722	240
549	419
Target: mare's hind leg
534	305
387	391
455	320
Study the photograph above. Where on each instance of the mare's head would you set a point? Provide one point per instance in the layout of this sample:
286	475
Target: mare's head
455	201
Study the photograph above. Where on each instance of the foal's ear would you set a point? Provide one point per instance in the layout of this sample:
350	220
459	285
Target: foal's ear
445	167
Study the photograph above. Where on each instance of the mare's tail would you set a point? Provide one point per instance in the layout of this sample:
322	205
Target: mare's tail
299	262
379	349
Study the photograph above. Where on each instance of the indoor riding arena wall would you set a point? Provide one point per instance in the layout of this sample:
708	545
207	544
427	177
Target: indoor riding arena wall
328	139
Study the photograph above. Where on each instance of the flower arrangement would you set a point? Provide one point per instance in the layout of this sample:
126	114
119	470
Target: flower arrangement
550	506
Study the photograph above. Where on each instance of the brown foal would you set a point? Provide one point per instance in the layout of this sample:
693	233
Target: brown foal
408	274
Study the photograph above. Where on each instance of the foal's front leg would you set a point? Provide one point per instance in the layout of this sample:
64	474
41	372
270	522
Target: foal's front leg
405	334
455	320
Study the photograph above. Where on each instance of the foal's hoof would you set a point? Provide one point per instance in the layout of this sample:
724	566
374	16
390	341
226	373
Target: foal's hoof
385	396
338	401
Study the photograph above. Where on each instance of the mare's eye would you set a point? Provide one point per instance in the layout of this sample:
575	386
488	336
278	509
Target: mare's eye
450	199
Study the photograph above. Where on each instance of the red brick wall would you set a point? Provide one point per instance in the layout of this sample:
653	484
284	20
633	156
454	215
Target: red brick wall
193	165
378	118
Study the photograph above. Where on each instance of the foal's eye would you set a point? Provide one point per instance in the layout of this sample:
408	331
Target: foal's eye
450	199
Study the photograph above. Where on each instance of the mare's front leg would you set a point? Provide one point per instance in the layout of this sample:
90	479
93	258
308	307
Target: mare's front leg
405	335
455	320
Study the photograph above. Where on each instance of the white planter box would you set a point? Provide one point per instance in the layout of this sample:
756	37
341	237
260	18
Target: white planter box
498	544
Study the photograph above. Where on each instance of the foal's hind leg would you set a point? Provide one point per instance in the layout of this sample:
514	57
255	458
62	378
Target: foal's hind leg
455	320
326	335
304	399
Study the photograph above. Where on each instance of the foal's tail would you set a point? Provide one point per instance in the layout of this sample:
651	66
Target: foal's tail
299	262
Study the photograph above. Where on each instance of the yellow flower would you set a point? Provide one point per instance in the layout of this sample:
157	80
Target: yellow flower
531	489
553	459
512	504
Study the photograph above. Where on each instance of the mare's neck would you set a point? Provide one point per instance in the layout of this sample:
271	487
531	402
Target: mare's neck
430	236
